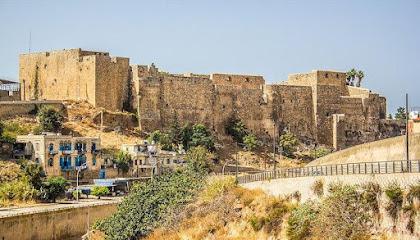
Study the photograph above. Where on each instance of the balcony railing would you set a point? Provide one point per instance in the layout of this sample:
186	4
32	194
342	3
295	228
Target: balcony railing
386	167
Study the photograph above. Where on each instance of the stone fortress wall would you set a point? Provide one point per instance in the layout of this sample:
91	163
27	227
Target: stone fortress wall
317	106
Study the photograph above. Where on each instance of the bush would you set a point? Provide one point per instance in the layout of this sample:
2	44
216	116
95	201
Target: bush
215	187
9	172
201	136
301	220
148	205
50	119
53	188
100	191
319	152
289	143
250	142
318	188
33	171
343	215
17	190
163	139
199	159
394	193
11	129
235	128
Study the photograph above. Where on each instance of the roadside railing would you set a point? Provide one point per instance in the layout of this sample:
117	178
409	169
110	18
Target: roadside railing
401	166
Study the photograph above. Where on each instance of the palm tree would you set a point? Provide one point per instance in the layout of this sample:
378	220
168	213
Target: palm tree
350	76
360	75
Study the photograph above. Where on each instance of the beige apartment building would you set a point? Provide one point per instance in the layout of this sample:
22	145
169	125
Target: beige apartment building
59	155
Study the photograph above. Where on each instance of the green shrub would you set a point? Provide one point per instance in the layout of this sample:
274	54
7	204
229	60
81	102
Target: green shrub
199	159
201	136
33	171
50	119
236	128
9	172
394	193
251	142
11	129
319	152
301	221
318	187
148	204
289	143
17	190
100	191
53	188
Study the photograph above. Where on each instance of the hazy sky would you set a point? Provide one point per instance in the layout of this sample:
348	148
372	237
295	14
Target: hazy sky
271	38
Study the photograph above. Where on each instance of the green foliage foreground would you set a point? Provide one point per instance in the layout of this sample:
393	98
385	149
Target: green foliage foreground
147	204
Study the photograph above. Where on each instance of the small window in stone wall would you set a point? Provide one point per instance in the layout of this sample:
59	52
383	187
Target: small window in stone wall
50	162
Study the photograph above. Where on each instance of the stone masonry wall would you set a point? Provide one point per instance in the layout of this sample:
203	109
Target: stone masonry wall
74	75
16	108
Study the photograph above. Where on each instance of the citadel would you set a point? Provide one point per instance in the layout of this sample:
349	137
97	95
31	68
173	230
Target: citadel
319	106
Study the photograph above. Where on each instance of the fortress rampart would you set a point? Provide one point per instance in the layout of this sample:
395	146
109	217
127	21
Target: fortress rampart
317	106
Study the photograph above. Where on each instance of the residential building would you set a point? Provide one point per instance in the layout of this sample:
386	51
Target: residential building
59	155
150	159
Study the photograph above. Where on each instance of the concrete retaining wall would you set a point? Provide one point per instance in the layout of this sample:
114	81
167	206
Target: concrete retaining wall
64	223
384	150
286	186
16	108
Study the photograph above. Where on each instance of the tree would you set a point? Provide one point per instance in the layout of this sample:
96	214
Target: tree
100	191
199	159
54	187
123	161
350	76
34	172
154	136
401	113
289	143
186	135
50	119
175	132
360	75
163	139
250	142
236	128
201	136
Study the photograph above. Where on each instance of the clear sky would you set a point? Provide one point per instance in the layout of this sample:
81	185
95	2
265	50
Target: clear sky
271	38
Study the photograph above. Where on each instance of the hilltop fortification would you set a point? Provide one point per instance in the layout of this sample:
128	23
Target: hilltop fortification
317	106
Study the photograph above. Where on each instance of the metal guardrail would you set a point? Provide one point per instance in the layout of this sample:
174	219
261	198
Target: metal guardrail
402	166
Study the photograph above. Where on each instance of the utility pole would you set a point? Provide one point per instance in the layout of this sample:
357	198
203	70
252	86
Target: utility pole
407	133
274	149
236	162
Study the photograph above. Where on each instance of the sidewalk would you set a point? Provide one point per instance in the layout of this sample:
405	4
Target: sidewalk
49	207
